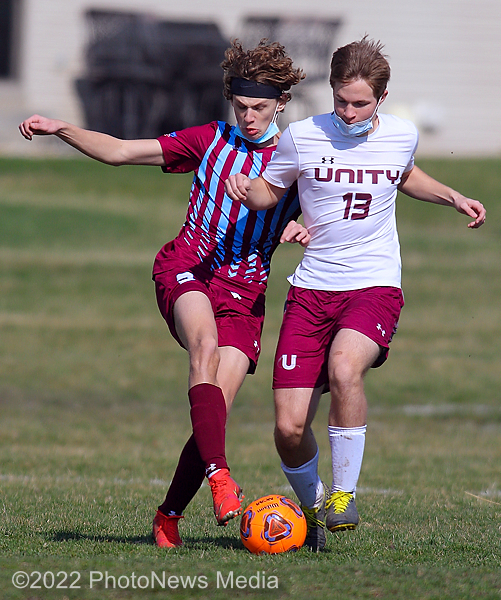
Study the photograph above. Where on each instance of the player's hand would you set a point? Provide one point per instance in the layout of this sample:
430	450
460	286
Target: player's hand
237	186
37	125
295	233
471	208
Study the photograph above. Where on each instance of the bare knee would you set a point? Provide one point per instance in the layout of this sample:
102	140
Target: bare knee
348	401
288	435
351	356
294	412
345	375
204	358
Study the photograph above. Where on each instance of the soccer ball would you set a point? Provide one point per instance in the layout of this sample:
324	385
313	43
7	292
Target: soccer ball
272	524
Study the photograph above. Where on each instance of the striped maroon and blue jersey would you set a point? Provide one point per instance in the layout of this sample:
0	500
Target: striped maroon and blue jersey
226	239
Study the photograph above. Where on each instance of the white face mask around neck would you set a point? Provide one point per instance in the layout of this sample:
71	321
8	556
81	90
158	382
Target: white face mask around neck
354	129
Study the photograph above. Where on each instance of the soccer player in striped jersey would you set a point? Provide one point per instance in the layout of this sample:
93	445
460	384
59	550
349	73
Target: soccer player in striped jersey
211	279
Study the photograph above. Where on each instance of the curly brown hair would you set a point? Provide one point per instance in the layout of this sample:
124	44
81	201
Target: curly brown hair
267	63
361	60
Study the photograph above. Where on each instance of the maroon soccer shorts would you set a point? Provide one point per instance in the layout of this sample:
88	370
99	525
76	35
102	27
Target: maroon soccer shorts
311	320
239	316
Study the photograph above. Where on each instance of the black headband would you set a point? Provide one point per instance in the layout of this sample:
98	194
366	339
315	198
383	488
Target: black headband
253	89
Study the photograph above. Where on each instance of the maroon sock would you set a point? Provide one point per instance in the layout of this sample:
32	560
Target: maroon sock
188	478
208	419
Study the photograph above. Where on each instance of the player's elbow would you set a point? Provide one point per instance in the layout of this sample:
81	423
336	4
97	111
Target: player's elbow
119	158
122	152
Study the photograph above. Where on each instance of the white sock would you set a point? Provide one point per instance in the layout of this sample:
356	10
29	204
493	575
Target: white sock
347	449
306	483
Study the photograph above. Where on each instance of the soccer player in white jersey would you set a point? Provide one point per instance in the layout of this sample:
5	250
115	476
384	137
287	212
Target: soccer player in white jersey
345	299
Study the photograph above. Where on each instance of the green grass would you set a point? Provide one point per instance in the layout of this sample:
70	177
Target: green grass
94	408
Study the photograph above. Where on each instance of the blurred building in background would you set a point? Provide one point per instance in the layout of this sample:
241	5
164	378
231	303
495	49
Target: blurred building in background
139	68
145	76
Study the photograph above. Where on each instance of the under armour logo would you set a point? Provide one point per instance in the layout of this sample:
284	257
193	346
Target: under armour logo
236	296
211	469
328	160
380	328
291	365
184	277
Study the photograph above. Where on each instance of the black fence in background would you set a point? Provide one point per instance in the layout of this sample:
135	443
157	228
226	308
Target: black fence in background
145	77
310	43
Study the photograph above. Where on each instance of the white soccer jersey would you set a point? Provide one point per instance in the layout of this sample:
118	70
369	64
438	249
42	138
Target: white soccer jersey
347	189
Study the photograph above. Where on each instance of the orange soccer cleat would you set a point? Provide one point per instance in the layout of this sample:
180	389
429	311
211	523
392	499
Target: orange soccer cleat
227	496
165	531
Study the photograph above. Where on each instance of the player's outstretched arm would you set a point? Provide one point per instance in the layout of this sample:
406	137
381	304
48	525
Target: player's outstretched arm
417	184
256	194
100	146
294	233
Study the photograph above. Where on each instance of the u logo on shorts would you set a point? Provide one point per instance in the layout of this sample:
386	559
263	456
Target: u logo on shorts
291	365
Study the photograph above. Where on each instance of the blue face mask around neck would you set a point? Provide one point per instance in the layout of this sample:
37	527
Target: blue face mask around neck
270	132
354	129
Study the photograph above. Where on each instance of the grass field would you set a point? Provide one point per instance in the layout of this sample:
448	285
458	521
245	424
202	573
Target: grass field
94	408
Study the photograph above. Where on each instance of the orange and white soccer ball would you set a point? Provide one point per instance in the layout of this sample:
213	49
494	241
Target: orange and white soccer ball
273	524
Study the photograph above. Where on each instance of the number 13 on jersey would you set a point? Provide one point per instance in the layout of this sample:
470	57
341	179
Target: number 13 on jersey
357	205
